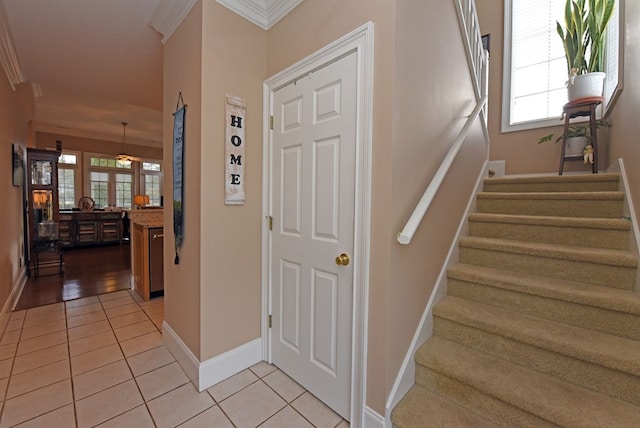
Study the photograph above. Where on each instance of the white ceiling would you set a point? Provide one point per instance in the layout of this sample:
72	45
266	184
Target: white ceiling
96	63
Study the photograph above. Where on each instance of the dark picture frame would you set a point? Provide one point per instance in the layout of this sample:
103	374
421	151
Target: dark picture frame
18	164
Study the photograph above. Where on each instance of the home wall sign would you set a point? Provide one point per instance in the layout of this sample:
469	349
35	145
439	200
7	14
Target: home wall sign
234	150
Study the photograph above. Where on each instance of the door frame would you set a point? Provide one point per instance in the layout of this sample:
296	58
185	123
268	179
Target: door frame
360	42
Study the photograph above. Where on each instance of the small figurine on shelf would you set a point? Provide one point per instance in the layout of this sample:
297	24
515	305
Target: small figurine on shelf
588	154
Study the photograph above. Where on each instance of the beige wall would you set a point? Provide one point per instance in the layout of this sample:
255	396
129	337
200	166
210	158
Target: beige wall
233	62
213	296
45	140
625	133
183	73
16	110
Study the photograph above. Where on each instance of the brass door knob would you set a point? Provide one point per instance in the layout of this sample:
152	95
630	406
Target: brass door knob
342	260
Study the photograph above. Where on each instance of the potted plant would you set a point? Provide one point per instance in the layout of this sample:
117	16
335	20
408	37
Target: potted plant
583	37
578	136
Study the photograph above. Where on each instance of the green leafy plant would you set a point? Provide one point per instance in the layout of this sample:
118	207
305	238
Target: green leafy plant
579	130
583	34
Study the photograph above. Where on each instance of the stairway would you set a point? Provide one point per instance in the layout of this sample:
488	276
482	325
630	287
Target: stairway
541	323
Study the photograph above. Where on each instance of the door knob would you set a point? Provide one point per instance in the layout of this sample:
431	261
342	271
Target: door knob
342	260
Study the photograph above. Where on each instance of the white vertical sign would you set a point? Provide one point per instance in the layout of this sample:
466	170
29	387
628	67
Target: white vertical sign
234	151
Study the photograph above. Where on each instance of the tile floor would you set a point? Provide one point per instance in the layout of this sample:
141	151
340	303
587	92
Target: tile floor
99	361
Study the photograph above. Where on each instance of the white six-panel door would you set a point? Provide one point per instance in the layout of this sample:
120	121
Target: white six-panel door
313	185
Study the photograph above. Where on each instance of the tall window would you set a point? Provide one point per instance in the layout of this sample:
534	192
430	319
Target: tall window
100	188
124	190
111	181
535	68
151	172
67	172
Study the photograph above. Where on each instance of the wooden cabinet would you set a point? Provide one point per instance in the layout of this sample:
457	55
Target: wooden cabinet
147	259
42	188
90	228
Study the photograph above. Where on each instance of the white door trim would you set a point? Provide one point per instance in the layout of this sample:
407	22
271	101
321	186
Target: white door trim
359	41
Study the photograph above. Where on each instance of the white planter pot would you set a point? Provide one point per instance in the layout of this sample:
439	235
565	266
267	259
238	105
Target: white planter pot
586	86
575	145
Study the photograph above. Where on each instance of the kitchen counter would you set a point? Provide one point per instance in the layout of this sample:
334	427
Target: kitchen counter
147	237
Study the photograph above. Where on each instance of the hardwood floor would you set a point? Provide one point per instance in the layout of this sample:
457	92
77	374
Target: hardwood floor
88	272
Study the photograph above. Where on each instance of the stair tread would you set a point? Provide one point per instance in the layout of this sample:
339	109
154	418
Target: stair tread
559	402
610	351
594	196
582	222
569	252
570	291
581	178
420	405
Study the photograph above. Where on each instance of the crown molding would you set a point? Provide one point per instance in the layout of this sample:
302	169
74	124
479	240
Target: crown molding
263	13
169	15
8	56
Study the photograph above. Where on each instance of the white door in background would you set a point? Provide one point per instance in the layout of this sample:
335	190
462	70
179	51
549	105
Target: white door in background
313	205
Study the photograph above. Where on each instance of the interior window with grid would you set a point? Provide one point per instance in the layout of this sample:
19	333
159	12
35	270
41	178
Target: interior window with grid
152	181
100	188
66	188
124	190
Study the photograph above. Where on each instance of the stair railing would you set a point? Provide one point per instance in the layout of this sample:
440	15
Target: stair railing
478	61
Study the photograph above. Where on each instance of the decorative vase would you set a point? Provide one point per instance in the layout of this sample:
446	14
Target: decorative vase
586	86
575	146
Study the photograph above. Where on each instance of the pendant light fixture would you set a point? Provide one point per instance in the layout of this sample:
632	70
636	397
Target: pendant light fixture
123	156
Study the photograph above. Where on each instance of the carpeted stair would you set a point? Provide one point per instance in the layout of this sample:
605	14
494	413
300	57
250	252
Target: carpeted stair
541	322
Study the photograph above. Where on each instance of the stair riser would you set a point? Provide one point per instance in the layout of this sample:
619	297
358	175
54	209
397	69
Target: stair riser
598	186
603	320
612	276
623	386
594	238
499	412
551	207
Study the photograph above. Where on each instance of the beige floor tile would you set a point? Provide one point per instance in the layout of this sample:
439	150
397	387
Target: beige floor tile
81	331
62	417
161	381
343	424
41	358
38	378
118	311
179	405
283	385
113	303
156	301
95	359
316	411
91	343
107	404
8	351
36	403
147	361
154	311
128	319
83	310
5	368
41	342
114	295
287	418
10	337
264	404
34	320
14	325
230	386
89	318
81	302
3	388
104	377
142	343
262	368
18	315
134	330
212	417
46	309
138	418
42	329
158	322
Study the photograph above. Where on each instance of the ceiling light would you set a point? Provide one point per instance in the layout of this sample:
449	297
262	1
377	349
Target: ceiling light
124	157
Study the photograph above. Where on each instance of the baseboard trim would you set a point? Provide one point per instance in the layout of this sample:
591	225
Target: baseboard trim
372	419
12	300
208	373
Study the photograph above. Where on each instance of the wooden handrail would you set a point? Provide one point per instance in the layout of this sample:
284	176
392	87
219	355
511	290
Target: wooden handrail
420	210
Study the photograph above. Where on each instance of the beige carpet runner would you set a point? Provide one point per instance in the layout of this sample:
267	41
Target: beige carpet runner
541	324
